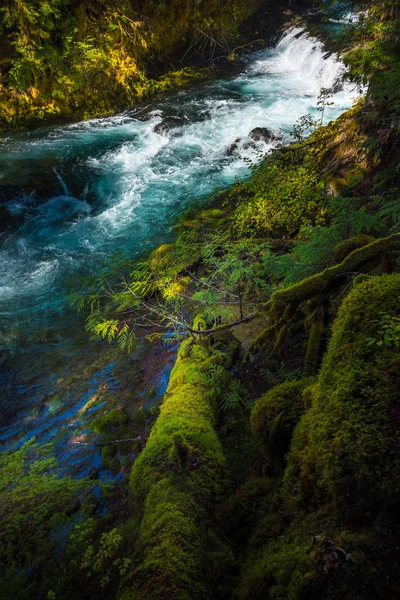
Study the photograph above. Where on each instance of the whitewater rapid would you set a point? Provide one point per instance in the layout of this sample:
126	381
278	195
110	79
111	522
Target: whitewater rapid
82	192
120	179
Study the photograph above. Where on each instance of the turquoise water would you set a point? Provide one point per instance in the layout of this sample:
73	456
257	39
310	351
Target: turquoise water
75	194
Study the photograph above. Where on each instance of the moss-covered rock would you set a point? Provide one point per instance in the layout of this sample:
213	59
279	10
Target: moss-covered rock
110	421
344	448
277	571
249	503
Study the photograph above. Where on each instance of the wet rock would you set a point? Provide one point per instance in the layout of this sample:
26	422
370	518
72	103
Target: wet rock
263	134
240	144
9	222
93	473
167	124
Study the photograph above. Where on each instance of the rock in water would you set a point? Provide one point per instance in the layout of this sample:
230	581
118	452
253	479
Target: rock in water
262	134
240	144
167	124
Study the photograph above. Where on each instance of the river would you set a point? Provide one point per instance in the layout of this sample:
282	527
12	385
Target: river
77	193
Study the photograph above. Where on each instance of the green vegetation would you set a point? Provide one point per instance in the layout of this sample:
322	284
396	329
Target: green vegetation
68	58
276	414
340	488
281	198
272	469
355	482
177	477
35	505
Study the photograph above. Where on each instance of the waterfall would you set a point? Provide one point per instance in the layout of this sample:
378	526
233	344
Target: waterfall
304	59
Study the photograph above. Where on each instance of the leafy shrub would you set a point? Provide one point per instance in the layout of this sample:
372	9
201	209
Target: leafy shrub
280	198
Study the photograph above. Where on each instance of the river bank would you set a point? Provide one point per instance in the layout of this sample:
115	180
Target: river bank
206	470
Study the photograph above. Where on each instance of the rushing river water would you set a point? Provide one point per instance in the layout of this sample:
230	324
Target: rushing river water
81	192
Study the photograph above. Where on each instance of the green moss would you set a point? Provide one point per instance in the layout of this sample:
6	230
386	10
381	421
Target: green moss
341	487
107	454
343	448
282	195
284	302
250	502
275	415
212	213
188	412
346	247
280	338
229	346
323	282
36	505
313	560
178	475
171	261
171	549
314	344
140	417
117	424
199	322
266	336
110	421
280	571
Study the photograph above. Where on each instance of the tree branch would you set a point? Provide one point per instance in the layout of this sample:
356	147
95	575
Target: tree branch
222	327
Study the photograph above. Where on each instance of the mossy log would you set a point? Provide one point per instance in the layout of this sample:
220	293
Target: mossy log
178	478
323	282
346	247
283	303
313	351
341	488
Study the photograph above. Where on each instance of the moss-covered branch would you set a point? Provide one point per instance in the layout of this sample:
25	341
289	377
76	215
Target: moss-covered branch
284	303
323	282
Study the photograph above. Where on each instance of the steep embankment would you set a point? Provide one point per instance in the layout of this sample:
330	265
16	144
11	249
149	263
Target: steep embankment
80	59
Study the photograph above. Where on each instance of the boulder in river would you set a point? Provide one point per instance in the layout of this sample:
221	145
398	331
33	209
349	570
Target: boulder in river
240	144
263	134
167	124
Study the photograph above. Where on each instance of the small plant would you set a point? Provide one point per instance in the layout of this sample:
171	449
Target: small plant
234	397
280	375
388	333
